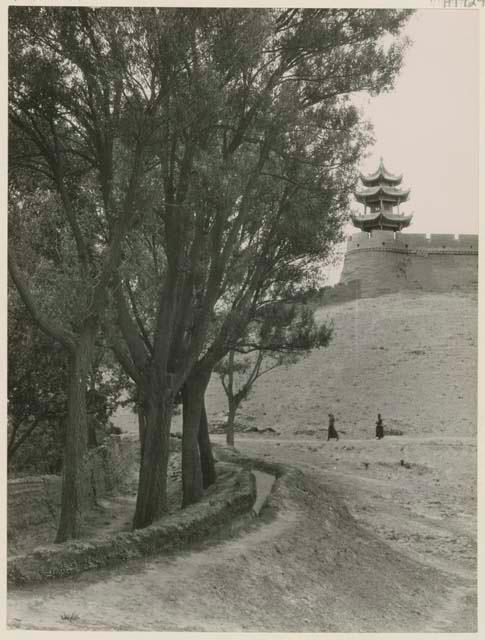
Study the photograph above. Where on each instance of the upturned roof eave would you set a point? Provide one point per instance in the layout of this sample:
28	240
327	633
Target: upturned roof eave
392	220
378	177
381	173
364	194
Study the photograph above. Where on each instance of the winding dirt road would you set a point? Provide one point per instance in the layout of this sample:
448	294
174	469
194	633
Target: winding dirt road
375	536
359	543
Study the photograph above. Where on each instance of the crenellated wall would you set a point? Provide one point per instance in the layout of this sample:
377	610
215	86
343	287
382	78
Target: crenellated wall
386	262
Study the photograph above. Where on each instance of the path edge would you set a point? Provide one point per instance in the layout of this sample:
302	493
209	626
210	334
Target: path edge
234	497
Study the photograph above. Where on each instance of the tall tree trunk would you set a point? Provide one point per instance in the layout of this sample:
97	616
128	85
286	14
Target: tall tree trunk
142	426
230	423
92	405
192	396
74	481
92	437
207	462
151	501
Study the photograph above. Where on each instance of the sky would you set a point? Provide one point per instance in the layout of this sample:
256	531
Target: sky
427	127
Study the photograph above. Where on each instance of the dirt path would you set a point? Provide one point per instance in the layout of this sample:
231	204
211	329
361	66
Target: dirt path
152	595
363	543
383	567
425	510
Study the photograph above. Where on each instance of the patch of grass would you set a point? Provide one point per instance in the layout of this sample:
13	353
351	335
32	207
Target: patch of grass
305	432
70	617
233	495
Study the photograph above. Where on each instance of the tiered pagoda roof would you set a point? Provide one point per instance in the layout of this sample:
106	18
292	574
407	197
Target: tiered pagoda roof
381	193
386	221
371	194
382	174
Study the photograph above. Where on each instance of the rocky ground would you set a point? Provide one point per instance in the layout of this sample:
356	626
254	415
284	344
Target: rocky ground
375	536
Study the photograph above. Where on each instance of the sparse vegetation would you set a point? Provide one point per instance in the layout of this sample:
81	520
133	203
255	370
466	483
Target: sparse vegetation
279	338
70	617
393	432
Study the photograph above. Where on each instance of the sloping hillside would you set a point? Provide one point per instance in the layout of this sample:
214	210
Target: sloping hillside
411	357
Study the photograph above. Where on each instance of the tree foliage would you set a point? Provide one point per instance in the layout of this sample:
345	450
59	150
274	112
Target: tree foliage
78	135
280	336
198	164
37	401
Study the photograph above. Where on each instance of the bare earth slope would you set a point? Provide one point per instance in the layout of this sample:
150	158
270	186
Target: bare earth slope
411	357
359	542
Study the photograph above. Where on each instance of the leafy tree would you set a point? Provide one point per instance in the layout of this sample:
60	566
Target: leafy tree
79	129
280	337
37	402
237	118
36	399
177	124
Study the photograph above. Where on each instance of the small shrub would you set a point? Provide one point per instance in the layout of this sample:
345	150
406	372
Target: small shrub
70	617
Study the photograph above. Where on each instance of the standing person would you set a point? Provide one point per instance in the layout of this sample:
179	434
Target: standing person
379	427
332	432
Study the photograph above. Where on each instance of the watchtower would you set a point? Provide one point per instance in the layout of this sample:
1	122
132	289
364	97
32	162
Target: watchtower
381	197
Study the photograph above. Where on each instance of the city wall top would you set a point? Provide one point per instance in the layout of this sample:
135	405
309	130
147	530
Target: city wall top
412	241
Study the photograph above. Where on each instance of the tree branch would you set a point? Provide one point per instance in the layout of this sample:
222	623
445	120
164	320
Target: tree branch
139	322
121	355
136	346
48	326
13	445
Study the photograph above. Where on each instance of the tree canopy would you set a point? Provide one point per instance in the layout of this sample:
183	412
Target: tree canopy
192	165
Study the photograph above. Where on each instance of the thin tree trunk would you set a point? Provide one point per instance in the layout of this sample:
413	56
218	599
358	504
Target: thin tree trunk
207	462
151	500
11	439
192	396
74	483
230	424
14	444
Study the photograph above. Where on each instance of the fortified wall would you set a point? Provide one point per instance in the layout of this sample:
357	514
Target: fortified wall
383	261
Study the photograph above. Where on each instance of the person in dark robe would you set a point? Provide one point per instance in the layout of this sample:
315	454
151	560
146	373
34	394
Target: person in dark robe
332	431
379	427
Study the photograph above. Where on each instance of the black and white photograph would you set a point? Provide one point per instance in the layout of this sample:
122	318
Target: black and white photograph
241	316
